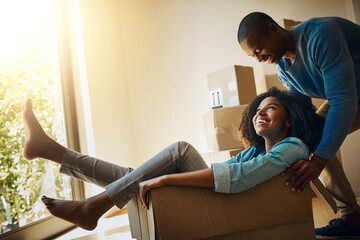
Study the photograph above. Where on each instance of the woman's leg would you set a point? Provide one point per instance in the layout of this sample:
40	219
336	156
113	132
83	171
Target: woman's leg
84	214
91	169
176	158
39	145
179	157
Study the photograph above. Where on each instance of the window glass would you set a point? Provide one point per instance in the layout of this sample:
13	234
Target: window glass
28	69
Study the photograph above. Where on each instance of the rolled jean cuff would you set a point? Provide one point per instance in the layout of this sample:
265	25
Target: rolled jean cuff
112	193
112	190
65	167
90	169
349	210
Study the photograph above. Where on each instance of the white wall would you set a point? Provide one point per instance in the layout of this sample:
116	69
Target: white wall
350	160
349	151
107	82
356	7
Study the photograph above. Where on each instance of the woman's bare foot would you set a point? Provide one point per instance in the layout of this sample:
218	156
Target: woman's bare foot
34	134
84	214
37	142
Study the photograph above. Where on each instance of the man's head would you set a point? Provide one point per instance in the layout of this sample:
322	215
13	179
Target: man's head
261	37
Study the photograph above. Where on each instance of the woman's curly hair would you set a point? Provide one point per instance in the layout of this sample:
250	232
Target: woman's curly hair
305	124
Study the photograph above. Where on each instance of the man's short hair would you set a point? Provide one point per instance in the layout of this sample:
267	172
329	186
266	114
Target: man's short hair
257	22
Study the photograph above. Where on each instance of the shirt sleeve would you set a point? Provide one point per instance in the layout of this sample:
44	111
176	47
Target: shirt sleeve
251	170
336	66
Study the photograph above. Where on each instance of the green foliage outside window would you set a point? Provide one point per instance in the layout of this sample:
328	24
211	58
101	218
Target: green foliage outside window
31	75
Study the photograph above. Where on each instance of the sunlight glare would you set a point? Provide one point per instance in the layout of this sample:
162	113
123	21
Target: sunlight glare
20	21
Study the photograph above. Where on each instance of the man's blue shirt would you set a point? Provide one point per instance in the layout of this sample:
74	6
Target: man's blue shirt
327	65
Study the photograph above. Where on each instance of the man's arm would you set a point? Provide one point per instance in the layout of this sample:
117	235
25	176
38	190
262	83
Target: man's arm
336	66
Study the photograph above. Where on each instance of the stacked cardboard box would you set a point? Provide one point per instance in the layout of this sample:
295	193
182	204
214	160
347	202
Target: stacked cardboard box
231	86
220	156
272	80
230	91
221	128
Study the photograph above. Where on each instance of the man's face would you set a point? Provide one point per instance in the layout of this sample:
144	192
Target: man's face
265	48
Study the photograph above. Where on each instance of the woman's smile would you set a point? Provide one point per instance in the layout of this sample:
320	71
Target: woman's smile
261	121
271	119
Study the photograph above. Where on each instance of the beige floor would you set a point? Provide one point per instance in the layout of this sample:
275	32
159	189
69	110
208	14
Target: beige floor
116	226
112	227
323	213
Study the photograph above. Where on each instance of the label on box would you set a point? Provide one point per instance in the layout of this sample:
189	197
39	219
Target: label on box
234	101
232	86
216	98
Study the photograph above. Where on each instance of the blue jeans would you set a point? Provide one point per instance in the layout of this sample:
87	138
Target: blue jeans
122	183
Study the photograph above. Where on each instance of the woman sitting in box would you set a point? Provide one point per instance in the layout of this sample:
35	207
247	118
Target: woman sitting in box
280	128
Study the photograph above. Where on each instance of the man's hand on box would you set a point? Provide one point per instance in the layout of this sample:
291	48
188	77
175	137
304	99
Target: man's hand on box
303	171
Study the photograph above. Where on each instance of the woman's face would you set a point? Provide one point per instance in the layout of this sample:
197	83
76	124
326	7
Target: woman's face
271	119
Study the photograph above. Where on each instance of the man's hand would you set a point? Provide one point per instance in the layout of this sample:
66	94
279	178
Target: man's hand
304	171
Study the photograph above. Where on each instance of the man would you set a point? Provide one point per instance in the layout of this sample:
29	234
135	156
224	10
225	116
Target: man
318	58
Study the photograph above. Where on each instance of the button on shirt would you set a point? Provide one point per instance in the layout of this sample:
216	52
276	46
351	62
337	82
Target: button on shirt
254	166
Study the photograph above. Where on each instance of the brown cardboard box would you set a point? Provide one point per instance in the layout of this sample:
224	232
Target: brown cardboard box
231	86
220	156
272	80
269	211
235	152
288	23
221	128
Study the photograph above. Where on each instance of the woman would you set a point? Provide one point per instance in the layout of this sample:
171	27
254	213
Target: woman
280	128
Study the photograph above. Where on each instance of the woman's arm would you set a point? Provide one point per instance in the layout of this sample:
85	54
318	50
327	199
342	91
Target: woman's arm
254	169
200	178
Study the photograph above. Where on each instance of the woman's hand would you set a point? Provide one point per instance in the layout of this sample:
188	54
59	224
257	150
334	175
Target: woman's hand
145	186
200	178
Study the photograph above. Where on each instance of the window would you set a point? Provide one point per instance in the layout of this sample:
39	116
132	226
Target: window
29	68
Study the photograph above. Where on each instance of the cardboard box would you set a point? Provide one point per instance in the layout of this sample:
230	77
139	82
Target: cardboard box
231	86
288	23
221	127
272	80
269	211
235	152
220	156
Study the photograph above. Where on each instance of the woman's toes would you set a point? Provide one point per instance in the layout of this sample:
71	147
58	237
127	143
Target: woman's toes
28	104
